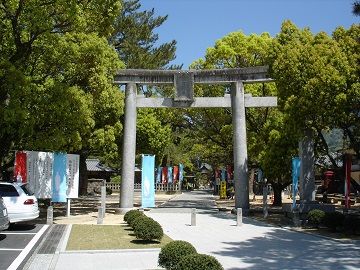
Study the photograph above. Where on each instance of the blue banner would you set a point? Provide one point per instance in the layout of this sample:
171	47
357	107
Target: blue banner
295	166
158	174
181	172
170	174
59	178
223	174
147	181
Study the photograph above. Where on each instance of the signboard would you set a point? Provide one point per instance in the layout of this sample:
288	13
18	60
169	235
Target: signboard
147	181
72	176
39	173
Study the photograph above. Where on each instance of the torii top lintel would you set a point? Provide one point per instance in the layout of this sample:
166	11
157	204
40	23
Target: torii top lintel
184	81
210	76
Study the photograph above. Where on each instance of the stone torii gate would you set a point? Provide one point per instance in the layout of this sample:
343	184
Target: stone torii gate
183	80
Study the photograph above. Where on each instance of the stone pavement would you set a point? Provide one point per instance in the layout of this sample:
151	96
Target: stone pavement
254	245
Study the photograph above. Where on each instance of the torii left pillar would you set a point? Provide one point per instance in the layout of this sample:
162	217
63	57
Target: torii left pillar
129	146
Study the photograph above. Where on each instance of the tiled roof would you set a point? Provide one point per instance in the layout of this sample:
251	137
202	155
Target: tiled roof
94	165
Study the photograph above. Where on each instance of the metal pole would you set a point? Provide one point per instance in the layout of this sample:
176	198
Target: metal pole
68	207
103	198
265	195
128	154
100	215
193	216
239	217
240	147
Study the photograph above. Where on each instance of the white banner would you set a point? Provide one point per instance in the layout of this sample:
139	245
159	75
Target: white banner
72	175
39	170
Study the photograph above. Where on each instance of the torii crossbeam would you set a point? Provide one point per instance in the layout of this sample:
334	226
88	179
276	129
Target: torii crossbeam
184	81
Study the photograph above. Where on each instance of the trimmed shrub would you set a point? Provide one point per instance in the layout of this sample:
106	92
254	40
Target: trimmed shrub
315	217
131	215
198	262
173	252
333	220
351	224
139	220
146	228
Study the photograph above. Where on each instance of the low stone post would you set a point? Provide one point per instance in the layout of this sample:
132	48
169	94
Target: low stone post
239	217
193	216
50	215
100	218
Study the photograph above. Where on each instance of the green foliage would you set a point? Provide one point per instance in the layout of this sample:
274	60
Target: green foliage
173	252
56	76
135	39
315	217
131	215
351	224
152	136
116	179
198	262
333	220
146	228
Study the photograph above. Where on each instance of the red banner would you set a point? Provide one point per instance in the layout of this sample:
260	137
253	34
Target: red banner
164	175
20	172
175	174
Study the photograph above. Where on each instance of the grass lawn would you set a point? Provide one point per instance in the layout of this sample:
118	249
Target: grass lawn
100	237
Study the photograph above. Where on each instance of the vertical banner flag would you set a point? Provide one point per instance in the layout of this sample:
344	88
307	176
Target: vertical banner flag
164	175
295	178
223	189
176	174
147	181
39	173
229	172
158	174
20	171
72	175
181	173
59	178
348	160
223	174
170	174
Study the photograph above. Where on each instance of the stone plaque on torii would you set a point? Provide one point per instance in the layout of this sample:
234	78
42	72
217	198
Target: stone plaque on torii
184	80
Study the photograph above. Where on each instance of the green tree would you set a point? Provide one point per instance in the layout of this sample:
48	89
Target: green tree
317	80
56	86
135	39
270	144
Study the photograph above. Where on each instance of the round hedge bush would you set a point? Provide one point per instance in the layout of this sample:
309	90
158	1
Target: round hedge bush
173	252
146	228
139	220
198	262
131	215
315	217
333	220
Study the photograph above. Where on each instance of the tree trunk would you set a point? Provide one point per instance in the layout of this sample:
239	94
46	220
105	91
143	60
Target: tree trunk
277	194
251	182
83	179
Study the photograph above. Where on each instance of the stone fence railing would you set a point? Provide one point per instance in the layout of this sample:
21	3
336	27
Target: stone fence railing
158	187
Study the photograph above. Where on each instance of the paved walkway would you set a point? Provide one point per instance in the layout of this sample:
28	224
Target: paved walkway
254	245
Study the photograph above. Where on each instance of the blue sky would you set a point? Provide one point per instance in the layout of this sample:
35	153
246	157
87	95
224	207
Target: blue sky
197	24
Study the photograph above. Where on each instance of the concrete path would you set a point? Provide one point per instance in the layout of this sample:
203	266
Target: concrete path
254	245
